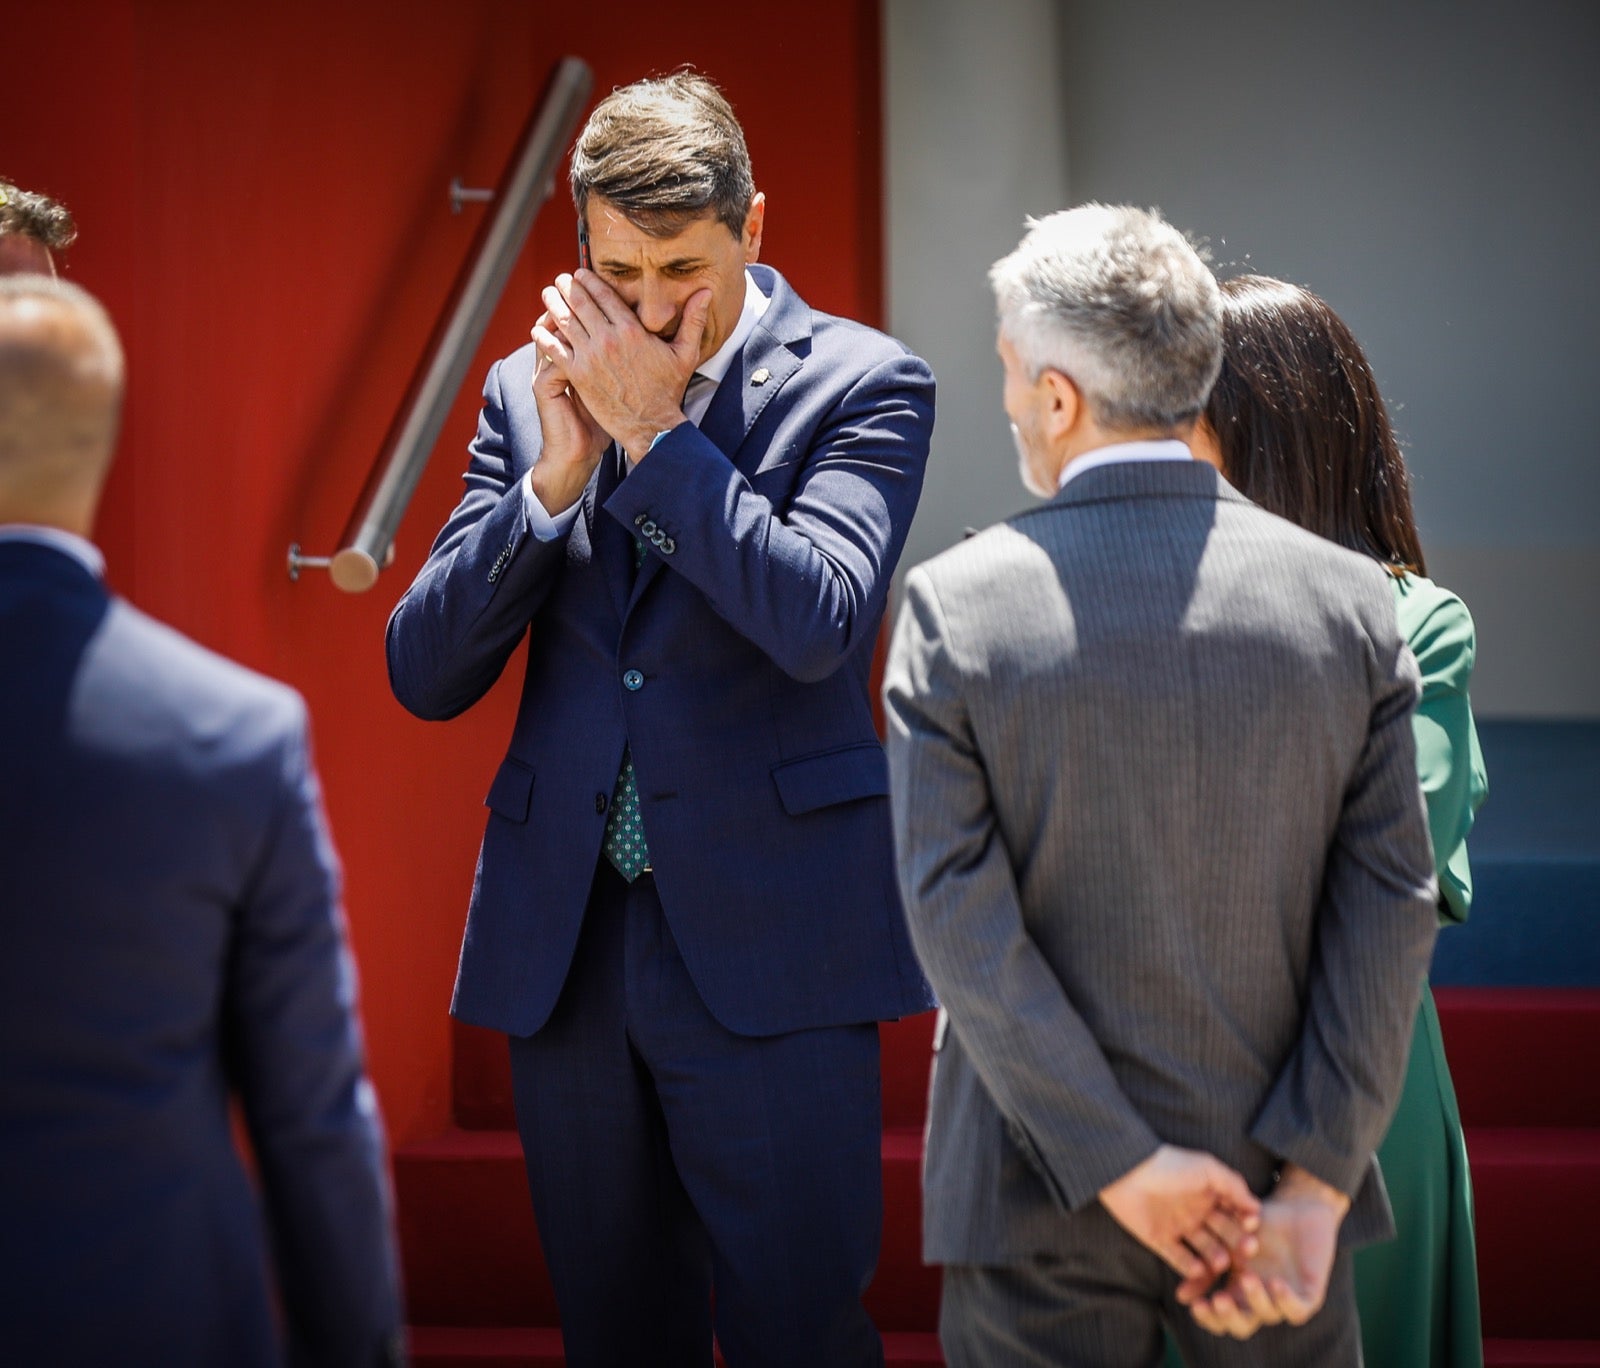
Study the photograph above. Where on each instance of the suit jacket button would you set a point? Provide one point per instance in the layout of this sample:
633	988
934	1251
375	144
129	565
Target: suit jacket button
599	802
668	546
633	681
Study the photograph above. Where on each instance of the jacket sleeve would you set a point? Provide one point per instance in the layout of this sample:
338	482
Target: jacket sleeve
295	1057
1031	1049
453	630
1331	1102
1449	760
805	583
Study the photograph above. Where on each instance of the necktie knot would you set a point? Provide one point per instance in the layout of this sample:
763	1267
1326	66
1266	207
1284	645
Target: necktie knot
696	391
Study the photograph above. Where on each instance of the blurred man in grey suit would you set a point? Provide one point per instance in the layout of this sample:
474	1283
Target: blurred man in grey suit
1163	853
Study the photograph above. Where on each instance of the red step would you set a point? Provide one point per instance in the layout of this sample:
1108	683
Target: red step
1523	1056
1523	1063
1505	1353
455	1348
471	1251
468	1246
478	1347
1537	1195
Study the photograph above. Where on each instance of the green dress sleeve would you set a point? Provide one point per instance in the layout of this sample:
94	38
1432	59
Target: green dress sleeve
1439	630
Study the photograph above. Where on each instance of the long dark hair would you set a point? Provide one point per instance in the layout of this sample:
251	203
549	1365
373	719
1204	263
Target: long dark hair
1302	427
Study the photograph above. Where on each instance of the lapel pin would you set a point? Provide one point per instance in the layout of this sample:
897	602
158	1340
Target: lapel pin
761	376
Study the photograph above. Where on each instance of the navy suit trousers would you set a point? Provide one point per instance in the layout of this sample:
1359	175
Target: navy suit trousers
668	1157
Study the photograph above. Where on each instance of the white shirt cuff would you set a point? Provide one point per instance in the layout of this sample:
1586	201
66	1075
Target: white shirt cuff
542	525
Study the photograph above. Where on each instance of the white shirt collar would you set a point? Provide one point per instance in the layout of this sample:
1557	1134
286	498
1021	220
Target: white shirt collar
721	361
1166	449
85	552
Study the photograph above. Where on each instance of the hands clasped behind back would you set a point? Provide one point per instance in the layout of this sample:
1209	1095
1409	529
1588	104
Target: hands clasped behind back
603	377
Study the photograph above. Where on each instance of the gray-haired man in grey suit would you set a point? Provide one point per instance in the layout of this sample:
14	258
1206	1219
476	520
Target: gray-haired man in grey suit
1164	856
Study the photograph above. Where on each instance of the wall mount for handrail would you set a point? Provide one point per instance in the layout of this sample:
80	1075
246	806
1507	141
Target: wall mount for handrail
367	544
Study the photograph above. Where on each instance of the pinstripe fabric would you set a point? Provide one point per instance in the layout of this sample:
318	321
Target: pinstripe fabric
1162	850
1090	1309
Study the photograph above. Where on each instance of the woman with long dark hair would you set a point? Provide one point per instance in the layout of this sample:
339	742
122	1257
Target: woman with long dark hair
1296	423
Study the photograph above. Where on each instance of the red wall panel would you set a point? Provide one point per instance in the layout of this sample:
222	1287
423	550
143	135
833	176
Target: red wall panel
262	198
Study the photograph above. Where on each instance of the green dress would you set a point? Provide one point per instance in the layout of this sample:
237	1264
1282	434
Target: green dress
1418	1293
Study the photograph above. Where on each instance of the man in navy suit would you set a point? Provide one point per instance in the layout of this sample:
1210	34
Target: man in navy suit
689	496
171	938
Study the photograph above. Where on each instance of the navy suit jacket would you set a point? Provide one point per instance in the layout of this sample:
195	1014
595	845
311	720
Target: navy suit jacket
171	937
735	663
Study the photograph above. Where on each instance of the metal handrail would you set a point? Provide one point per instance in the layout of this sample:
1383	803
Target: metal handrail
367	543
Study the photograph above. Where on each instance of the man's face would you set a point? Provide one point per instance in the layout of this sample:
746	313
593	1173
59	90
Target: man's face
1023	398
656	276
24	255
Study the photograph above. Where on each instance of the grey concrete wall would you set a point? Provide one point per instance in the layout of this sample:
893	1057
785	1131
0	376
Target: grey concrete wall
1430	169
976	142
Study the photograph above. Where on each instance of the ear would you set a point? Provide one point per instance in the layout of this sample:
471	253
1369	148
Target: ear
754	221
1064	404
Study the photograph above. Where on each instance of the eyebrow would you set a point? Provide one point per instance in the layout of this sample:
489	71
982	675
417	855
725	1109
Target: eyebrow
676	264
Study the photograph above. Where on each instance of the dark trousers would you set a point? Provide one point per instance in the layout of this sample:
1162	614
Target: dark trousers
1101	1302
668	1157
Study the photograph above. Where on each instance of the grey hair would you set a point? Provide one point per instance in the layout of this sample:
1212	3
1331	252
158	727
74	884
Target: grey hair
1120	302
665	151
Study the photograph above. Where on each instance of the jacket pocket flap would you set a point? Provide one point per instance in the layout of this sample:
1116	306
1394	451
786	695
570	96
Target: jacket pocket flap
836	777
512	791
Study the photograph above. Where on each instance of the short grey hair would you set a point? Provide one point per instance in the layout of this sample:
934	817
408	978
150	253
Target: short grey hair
665	151
1120	302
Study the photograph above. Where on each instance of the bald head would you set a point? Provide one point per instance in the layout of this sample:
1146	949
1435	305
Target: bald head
60	402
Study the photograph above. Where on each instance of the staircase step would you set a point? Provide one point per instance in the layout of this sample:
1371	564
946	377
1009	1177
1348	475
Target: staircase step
472	1253
448	1347
471	1250
481	1079
1535	862
1537	1196
478	1347
1518	1056
468	1245
907	1051
1506	1353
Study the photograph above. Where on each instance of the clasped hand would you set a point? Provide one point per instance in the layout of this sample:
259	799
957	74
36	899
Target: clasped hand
1285	1279
1244	1262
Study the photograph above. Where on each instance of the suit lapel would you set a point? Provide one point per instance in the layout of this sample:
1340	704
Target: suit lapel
762	369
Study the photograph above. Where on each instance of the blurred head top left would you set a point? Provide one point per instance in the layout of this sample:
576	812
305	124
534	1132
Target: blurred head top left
33	227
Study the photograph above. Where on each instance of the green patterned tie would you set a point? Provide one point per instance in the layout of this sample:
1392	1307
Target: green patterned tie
624	841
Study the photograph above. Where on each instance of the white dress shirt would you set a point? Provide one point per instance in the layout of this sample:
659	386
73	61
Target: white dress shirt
1165	449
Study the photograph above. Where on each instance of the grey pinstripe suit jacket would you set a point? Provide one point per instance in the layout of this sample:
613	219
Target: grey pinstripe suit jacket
1162	848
